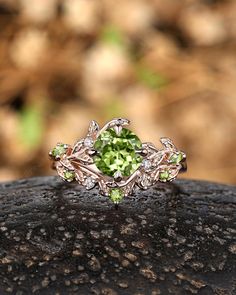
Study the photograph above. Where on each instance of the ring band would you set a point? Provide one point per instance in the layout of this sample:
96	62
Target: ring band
114	159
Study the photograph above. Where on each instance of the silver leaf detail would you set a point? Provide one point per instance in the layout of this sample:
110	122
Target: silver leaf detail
93	128
168	143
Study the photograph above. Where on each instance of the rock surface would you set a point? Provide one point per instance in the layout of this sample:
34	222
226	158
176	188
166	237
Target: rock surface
176	238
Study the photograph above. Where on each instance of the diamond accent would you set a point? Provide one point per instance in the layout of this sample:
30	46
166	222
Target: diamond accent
89	183
88	142
147	164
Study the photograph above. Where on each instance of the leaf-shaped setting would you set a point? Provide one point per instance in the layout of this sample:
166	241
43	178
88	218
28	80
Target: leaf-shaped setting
155	175
145	181
85	159
158	157
128	189
157	164
115	122
81	157
119	122
78	146
66	163
167	143
129	183
79	176
103	187
150	147
174	172
93	129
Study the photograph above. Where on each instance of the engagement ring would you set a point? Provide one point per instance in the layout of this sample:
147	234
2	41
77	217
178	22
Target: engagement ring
114	159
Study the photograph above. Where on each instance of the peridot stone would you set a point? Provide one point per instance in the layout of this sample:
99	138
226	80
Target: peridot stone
59	150
176	158
164	175
117	152
116	195
69	175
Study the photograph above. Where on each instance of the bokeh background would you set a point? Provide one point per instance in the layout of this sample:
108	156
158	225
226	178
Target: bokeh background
169	66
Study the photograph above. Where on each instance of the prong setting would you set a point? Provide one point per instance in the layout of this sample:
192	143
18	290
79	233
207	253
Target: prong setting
118	176
92	152
118	129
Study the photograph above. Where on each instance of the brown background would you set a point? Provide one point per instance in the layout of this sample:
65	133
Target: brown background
169	66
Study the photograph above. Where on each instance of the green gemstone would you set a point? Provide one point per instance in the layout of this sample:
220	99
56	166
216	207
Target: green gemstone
116	195
117	152
58	150
176	158
164	175
69	175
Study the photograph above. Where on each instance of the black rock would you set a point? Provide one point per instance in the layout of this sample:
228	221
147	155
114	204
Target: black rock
176	238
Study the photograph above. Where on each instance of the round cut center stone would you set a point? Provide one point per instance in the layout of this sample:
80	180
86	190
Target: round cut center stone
117	153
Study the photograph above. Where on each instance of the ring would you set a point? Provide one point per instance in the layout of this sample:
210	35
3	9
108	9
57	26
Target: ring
114	159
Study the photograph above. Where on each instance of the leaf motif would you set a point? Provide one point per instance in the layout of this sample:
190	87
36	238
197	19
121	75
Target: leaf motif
84	158
167	143
156	175
145	181
103	187
77	147
128	190
79	176
93	128
66	163
118	122
158	158
174	172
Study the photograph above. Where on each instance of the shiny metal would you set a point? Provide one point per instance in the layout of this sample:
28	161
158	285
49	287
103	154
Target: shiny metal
79	158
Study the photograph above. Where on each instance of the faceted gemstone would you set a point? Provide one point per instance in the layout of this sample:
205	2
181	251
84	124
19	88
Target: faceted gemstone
69	175
117	152
147	164
89	183
116	195
88	142
164	175
176	158
59	150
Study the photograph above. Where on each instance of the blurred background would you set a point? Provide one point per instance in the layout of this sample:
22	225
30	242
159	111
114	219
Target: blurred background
169	66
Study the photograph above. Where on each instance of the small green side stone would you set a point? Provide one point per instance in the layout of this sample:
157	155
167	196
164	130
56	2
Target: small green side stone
164	175
116	195
69	175
59	150
176	158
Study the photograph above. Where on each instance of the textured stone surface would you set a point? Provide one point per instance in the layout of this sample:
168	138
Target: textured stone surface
57	238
